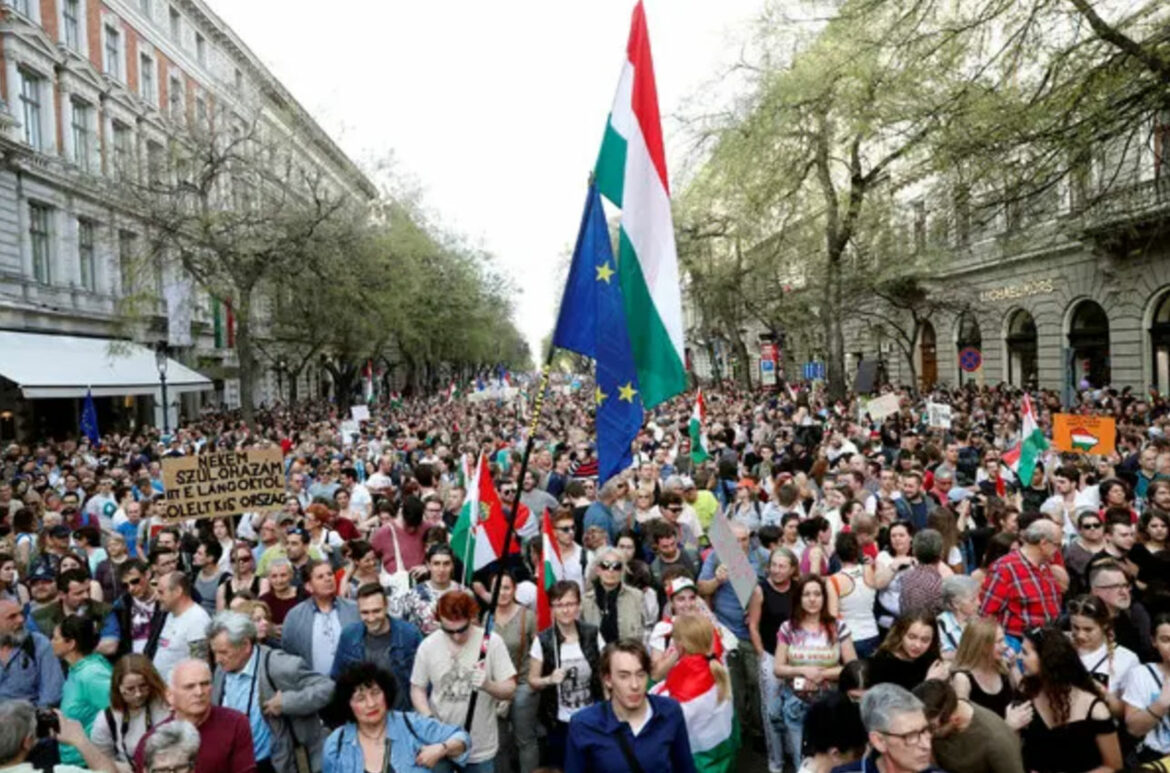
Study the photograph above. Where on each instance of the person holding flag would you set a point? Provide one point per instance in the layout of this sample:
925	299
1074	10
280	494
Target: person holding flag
516	625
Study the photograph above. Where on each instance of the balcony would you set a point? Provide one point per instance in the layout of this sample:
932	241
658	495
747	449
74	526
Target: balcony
1126	215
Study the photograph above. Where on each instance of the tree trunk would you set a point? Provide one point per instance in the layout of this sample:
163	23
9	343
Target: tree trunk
244	349
834	332
741	350
293	378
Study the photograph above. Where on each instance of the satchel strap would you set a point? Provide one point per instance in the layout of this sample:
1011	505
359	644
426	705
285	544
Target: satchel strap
628	752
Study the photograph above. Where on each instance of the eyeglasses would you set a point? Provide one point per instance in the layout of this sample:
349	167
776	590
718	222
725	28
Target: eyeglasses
565	529
243	559
912	738
457	631
1091	525
184	768
609	566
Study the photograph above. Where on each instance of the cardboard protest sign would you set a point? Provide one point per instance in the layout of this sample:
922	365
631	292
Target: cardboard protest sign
349	430
359	412
881	407
1084	434
743	576
938	415
225	483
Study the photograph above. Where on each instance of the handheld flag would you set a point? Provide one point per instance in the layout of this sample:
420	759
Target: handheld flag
89	420
552	570
695	430
1022	458
478	536
592	322
631	173
711	726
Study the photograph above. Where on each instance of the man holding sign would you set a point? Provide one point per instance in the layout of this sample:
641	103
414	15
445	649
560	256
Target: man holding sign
727	581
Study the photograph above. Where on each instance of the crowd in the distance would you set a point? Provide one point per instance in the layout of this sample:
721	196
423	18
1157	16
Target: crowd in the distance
918	606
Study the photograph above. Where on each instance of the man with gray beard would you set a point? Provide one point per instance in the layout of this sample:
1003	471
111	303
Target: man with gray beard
28	669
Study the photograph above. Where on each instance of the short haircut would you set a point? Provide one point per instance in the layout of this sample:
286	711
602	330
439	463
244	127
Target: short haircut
834	722
938	699
847	548
66	578
927	546
81	631
179	581
371	589
174	736
212	548
18	721
628	647
457	605
238	627
1040	530
562	588
883	702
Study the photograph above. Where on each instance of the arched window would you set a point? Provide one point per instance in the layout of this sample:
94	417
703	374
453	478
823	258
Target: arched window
1088	343
1021	349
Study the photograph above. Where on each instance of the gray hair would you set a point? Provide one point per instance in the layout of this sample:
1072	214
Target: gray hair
927	546
610	489
1040	530
673	483
18	720
174	736
279	561
958	587
883	702
238	627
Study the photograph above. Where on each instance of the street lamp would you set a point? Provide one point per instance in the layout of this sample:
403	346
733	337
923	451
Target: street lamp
280	366
160	359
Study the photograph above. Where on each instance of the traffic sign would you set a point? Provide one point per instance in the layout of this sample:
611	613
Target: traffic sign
970	359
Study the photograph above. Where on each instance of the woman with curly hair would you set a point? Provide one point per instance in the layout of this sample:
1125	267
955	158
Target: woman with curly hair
1072	730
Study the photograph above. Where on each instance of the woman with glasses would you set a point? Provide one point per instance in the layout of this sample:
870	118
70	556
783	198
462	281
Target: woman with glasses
173	748
375	739
564	668
448	669
811	648
243	577
616	609
87	684
1072	730
1091	626
138	702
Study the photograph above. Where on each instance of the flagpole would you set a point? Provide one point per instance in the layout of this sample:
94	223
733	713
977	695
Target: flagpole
538	408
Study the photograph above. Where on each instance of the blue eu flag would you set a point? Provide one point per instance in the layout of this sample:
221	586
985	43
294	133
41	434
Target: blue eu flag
592	322
89	425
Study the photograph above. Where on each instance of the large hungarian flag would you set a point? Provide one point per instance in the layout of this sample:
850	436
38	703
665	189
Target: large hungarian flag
711	725
695	429
631	173
552	570
479	534
1022	458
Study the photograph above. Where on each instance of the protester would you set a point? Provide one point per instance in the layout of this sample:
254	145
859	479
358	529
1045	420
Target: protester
1020	590
1109	664
909	653
853	591
276	691
184	633
137	704
175	746
379	639
965	737
899	733
960	604
418	606
312	629
18	737
768	609
616	609
29	670
982	673
86	691
135	622
516	625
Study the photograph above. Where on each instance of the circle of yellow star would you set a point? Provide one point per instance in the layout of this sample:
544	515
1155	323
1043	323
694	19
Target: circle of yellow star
627	392
599	396
604	272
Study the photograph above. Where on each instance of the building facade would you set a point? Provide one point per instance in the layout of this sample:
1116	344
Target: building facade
90	88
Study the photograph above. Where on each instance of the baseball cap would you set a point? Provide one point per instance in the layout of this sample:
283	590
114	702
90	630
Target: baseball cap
679	584
60	531
42	572
958	494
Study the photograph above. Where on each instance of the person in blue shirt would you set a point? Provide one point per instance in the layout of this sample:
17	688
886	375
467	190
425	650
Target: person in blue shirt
633	730
601	513
28	668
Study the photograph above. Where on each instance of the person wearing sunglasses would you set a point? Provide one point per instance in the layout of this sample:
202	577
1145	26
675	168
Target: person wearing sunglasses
448	669
135	621
899	733
1088	542
572	555
564	667
617	609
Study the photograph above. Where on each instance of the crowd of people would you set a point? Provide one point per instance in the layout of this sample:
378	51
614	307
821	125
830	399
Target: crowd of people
918	605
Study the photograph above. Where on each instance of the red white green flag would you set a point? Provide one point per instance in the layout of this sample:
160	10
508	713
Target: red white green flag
1023	457
711	726
482	527
552	570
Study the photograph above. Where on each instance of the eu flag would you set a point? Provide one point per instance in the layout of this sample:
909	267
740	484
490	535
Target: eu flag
89	424
592	322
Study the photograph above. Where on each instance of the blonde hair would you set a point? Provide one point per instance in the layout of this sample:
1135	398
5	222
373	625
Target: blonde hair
695	635
977	646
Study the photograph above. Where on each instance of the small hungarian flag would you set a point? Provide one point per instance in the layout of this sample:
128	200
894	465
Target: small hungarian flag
698	416
553	569
482	526
1023	457
711	725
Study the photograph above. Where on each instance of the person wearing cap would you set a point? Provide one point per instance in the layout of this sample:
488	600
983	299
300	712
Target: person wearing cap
73	598
683	596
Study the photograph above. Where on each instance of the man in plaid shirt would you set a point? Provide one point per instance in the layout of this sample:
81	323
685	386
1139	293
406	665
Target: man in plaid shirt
1020	590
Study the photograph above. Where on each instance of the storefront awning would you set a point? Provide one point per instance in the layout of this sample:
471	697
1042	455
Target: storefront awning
46	366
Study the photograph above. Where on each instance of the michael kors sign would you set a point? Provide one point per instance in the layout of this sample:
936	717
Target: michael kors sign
1022	290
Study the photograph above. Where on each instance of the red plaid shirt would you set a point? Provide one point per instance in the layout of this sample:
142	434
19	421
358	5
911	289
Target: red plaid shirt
1020	594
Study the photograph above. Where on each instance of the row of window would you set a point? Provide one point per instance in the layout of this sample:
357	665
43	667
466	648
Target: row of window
40	234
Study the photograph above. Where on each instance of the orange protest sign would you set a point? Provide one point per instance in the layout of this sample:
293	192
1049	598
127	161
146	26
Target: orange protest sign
1084	434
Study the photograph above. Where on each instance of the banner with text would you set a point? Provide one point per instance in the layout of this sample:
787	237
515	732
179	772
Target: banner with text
222	484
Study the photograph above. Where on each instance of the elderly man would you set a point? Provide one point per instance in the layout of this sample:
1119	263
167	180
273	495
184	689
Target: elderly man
184	633
380	639
899	734
312	629
28	669
1131	622
174	747
18	737
715	585
276	691
225	738
1020	589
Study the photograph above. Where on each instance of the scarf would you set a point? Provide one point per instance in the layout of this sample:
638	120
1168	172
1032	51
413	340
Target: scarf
607	604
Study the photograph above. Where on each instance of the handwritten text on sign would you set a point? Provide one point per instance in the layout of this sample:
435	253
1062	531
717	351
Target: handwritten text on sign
213	485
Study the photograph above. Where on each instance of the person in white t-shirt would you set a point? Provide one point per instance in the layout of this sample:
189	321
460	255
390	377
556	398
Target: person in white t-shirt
184	633
1110	664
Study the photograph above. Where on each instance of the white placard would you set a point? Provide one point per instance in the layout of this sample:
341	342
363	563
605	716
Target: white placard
359	412
938	415
881	407
731	555
348	430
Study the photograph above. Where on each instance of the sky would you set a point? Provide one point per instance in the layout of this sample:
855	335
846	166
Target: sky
495	110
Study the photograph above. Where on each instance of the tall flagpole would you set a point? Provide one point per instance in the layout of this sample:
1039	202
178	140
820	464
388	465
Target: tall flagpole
538	408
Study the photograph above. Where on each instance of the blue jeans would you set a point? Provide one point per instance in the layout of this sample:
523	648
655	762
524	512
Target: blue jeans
789	711
487	766
866	647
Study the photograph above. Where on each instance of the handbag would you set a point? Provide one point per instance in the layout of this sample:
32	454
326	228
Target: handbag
399	581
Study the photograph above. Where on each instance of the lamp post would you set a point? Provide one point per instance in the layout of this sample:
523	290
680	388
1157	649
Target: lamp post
280	366
160	359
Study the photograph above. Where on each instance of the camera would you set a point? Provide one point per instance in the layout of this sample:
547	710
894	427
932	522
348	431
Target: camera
48	724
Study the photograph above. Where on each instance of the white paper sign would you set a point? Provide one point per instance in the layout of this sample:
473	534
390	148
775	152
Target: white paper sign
348	430
881	407
359	412
938	415
743	576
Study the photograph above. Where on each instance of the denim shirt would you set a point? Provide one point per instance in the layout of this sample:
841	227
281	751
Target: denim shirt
37	677
342	752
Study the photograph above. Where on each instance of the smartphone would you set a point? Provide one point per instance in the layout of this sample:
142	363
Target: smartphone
799	683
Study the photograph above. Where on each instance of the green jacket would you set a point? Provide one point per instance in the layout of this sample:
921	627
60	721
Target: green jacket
86	694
